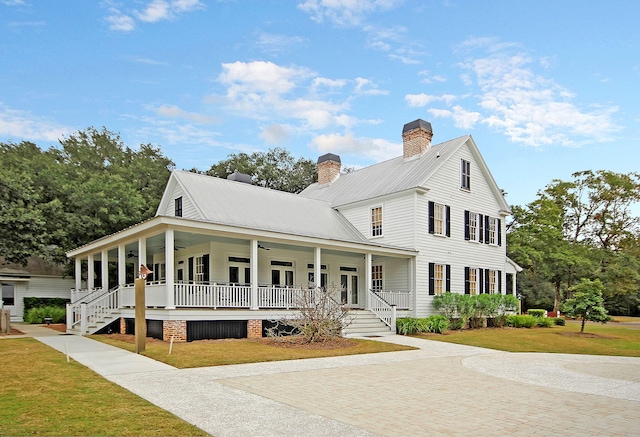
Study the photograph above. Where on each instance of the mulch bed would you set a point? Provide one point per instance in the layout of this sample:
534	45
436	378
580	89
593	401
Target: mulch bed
585	335
57	327
290	342
12	332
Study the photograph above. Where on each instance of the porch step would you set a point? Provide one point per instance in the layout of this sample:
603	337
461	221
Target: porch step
366	324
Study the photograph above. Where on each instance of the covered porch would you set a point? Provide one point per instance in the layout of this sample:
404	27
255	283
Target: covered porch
208	266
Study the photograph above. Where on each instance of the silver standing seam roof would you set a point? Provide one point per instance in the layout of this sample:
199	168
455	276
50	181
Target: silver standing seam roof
384	178
243	205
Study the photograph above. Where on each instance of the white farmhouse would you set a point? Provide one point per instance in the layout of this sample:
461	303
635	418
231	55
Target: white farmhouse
228	257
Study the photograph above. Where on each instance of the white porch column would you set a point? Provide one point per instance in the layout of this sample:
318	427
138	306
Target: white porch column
78	274
90	272
104	269
122	266
142	255
169	268
513	284
254	274
317	267
367	275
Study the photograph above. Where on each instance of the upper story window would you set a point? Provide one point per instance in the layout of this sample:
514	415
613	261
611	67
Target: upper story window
439	219
376	221
178	205
482	228
465	175
472	225
493	230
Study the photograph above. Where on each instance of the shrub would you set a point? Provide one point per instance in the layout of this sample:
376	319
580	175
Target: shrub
38	302
523	321
447	304
536	312
544	322
409	325
558	321
38	314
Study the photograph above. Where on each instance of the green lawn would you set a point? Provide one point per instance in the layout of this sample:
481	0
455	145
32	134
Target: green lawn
223	352
41	394
609	339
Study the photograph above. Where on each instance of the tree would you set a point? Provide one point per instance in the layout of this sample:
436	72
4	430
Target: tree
276	169
92	185
587	302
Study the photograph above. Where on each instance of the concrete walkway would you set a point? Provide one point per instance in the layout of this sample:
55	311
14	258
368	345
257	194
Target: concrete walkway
440	389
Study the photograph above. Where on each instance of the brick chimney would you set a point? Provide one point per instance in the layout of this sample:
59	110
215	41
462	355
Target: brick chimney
416	138
328	168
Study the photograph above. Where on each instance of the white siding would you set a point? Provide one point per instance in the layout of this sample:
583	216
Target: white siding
39	286
444	188
188	209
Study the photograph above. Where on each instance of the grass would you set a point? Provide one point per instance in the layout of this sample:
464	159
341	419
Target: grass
608	339
223	352
42	394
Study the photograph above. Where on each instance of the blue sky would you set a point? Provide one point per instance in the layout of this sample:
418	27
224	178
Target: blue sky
546	88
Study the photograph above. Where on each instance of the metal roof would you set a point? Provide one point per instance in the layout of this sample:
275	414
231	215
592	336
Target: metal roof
387	177
237	204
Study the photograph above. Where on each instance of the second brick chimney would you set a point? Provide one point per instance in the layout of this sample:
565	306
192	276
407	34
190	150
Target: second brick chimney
416	138
328	168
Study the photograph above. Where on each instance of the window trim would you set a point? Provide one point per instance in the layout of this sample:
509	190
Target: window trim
446	219
178	206
441	284
470	226
465	175
380	279
375	222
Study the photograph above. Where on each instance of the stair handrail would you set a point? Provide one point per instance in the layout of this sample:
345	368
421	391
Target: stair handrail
383	310
81	313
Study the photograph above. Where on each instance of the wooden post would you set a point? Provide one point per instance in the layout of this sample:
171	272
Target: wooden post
141	322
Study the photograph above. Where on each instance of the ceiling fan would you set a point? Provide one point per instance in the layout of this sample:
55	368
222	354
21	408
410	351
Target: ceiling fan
132	255
260	246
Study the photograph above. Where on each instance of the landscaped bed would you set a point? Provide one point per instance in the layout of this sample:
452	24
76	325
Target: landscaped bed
204	353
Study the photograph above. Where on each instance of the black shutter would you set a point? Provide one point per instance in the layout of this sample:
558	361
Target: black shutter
467	233
486	281
499	282
466	280
480	281
486	229
499	231
448	278
480	228
190	273
431	218
205	268
432	280
448	218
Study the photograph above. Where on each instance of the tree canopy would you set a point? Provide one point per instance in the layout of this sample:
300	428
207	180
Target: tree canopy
582	228
276	169
90	186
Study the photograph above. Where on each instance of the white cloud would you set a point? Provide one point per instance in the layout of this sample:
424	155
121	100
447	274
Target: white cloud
172	111
276	44
529	108
276	134
421	100
13	2
367	87
344	12
153	11
372	148
120	22
20	125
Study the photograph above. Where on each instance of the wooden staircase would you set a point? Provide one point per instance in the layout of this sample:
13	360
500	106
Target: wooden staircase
366	324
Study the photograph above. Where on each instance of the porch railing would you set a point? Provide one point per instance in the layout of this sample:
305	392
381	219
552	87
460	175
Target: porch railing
212	296
382	309
82	314
85	294
401	299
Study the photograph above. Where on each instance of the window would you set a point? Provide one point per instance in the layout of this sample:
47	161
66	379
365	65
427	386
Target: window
376	221
492	231
159	272
178	204
8	294
470	280
465	175
439	278
492	281
471	225
376	278
311	276
201	274
439	219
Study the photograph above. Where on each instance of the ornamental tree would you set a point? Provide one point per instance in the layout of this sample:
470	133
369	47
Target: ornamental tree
587	302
